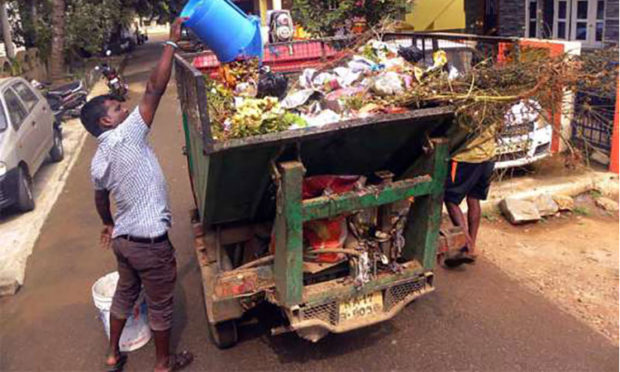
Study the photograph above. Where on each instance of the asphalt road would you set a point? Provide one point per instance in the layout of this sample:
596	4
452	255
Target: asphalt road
477	319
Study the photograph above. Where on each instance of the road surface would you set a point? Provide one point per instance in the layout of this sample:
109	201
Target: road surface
477	319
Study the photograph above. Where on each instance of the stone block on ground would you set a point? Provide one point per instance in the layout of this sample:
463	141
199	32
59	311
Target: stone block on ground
546	205
565	203
607	204
519	211
8	286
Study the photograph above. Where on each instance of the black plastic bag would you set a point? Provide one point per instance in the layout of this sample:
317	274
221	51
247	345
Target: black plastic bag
411	54
272	85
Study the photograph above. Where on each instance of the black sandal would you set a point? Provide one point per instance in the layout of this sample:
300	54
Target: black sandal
120	363
458	259
180	360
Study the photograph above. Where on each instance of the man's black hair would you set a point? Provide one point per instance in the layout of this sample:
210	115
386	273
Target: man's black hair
93	111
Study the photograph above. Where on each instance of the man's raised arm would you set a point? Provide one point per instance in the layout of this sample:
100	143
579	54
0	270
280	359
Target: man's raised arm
156	86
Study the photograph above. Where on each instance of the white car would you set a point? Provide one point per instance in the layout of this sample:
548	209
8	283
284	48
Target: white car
525	138
29	134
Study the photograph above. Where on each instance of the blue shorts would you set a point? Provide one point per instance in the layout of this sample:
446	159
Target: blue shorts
468	179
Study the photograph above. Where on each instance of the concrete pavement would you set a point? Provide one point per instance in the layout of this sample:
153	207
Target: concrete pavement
478	319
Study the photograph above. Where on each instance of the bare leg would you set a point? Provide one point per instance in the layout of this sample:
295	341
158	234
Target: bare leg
473	220
458	219
162	350
116	328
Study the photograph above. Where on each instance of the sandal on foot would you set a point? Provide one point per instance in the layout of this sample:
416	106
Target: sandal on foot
180	360
120	363
458	259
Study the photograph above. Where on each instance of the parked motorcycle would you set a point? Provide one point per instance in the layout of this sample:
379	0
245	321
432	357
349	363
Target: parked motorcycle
116	84
66	100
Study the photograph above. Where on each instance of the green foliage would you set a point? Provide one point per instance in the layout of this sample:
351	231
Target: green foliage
582	211
88	23
16	67
489	216
324	17
595	194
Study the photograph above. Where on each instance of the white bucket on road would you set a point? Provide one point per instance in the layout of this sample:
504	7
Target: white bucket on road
136	332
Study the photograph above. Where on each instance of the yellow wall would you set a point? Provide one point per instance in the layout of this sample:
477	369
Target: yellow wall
437	15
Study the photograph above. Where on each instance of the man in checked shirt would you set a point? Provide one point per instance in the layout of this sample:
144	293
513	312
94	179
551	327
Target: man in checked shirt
125	167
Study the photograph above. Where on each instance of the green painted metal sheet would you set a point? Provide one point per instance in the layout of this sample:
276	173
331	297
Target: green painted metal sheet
323	207
288	261
424	220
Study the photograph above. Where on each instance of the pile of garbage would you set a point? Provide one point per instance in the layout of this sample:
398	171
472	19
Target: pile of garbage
245	100
381	78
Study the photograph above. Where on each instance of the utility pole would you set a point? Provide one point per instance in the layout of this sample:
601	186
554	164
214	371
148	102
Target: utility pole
6	31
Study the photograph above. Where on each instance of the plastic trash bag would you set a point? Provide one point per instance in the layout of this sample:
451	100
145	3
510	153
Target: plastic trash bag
306	77
411	54
326	81
323	118
397	64
388	84
360	64
272	85
328	233
246	89
347	76
335	100
298	98
453	73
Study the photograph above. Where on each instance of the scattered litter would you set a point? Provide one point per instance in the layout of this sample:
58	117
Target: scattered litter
326	81
387	84
347	76
246	89
378	78
323	118
361	64
306	77
298	98
337	100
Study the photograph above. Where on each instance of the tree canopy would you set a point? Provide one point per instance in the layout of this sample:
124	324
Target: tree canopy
88	23
324	17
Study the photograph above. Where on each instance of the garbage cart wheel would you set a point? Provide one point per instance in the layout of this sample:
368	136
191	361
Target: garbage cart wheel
224	334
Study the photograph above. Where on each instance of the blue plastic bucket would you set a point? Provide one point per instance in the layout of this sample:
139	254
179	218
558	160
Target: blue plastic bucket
188	9
224	28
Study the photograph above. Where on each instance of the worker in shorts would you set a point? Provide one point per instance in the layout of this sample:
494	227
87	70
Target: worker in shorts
469	177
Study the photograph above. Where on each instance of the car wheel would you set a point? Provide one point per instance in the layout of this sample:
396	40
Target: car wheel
57	153
25	198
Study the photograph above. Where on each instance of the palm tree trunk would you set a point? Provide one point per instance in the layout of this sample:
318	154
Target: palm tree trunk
6	31
57	58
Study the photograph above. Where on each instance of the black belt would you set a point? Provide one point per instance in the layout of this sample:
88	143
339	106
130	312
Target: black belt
157	239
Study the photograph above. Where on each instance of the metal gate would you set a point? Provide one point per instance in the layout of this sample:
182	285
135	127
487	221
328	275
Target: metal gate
592	125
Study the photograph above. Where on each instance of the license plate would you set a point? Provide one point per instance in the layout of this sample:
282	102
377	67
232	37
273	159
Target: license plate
365	306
